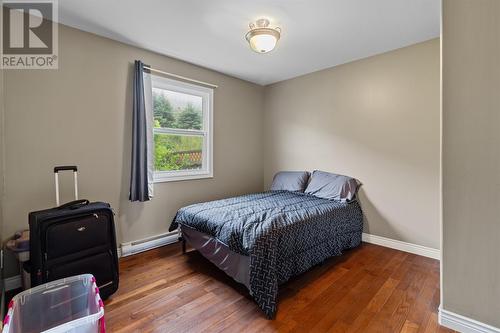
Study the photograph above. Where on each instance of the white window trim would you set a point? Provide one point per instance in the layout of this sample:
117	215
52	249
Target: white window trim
207	95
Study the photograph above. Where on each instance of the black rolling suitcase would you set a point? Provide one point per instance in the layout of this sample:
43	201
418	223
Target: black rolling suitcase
75	238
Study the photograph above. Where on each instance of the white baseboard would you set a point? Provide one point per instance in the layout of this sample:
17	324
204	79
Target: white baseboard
464	324
13	282
403	246
145	244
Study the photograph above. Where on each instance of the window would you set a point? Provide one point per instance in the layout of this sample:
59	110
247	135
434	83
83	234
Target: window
182	130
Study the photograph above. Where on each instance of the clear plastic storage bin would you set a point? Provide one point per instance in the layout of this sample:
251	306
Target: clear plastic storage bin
67	305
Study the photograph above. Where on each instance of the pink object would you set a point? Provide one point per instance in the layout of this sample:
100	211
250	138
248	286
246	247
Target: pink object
102	325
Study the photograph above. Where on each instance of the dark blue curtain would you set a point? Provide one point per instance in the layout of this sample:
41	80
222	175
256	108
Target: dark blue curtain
139	173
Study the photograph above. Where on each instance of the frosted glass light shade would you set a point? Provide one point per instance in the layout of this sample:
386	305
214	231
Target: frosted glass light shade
263	40
263	43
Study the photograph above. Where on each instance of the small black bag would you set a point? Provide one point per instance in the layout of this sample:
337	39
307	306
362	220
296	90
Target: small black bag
72	239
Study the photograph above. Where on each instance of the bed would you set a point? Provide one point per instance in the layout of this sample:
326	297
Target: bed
261	240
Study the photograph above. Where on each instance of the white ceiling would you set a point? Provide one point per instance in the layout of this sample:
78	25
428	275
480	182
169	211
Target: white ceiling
316	34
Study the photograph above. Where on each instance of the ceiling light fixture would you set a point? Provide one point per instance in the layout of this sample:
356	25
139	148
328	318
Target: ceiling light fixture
261	37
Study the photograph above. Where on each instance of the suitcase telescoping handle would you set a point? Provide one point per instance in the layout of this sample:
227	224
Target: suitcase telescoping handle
56	178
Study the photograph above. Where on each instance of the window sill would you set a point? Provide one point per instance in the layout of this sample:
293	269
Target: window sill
181	177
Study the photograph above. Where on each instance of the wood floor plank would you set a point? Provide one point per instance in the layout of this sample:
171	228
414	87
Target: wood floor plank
409	327
368	289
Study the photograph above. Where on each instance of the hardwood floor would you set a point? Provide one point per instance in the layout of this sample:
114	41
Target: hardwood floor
368	289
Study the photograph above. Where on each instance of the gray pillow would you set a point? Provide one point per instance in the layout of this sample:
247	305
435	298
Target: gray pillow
332	186
290	181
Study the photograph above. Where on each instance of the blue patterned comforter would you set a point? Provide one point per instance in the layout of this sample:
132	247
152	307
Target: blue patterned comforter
284	233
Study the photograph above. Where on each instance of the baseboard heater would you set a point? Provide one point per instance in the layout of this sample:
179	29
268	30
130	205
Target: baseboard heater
149	243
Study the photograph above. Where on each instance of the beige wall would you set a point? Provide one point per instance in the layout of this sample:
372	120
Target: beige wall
81	114
471	159
375	119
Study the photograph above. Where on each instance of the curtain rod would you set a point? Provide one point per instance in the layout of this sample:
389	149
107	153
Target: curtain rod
180	77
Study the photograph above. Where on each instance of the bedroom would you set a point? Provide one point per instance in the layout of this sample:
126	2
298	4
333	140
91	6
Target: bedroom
402	96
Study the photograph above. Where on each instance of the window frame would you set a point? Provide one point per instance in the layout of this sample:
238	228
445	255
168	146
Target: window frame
206	132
